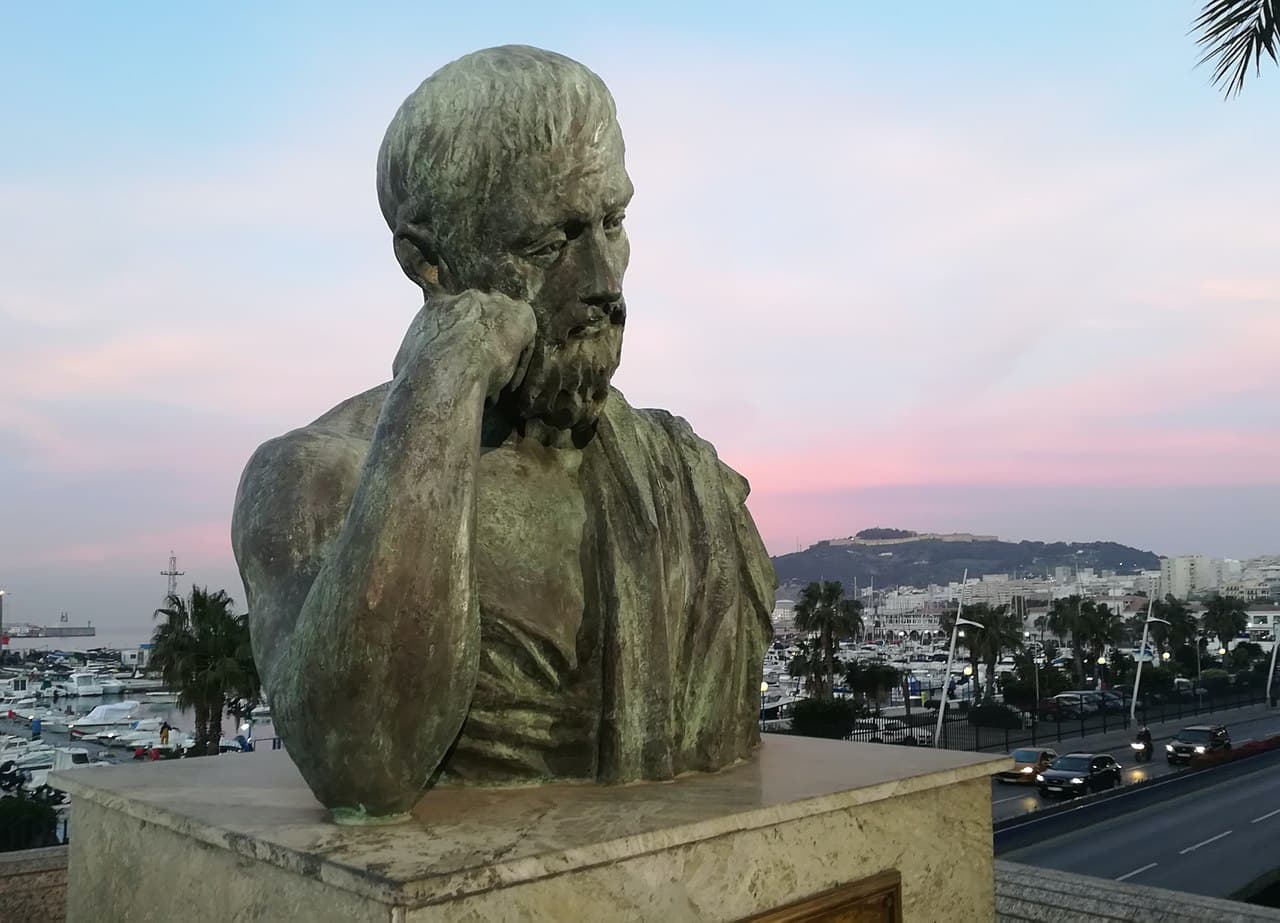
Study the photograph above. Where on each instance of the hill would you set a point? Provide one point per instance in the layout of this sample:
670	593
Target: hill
894	557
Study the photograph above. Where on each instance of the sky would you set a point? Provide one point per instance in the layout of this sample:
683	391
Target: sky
996	267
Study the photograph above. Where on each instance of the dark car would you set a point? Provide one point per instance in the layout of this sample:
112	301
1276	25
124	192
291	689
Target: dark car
1078	774
1196	741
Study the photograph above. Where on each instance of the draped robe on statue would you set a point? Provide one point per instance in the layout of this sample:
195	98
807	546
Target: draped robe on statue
630	650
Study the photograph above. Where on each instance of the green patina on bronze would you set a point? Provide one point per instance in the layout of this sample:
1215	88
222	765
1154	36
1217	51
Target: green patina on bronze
492	568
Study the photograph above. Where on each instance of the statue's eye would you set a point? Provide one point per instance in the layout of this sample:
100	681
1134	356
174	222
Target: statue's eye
614	222
549	249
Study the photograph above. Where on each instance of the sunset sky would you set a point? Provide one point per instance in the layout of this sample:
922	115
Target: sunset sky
1001	267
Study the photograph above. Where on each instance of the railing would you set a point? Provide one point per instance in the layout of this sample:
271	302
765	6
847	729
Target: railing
33	831
961	733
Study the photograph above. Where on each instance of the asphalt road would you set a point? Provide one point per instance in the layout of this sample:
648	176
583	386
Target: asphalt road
1011	800
1214	839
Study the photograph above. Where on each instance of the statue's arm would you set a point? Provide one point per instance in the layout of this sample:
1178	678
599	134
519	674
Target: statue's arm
373	629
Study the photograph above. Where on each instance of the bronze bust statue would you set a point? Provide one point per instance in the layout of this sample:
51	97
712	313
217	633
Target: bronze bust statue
492	568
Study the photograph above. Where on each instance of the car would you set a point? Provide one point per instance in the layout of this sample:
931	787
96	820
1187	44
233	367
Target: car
1113	701
1078	774
1195	741
1027	764
1072	705
890	731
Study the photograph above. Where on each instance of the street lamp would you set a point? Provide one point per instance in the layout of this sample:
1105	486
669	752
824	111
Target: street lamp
955	633
764	687
1275	646
1142	656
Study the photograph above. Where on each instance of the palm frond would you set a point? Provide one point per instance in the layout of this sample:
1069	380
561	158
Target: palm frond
1234	35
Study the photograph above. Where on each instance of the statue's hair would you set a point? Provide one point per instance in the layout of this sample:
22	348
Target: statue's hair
454	135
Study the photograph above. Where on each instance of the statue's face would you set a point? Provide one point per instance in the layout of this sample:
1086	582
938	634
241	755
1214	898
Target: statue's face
555	239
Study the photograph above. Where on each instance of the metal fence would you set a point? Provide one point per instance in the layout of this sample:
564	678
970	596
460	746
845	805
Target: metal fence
31	831
960	732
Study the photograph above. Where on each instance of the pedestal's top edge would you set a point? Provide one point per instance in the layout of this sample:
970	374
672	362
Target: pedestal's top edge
469	840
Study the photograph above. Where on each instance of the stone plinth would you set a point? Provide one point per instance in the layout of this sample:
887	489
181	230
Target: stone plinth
240	837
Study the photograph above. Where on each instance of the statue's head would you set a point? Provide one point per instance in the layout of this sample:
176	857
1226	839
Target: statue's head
504	172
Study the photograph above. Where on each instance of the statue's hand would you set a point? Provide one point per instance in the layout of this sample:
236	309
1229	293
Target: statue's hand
484	333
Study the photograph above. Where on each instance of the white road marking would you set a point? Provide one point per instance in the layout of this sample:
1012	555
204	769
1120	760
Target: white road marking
1183	852
1014	798
1149	865
1265	816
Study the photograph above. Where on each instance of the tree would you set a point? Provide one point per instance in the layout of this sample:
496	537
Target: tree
1245	654
202	652
871	681
1101	626
1001	633
1234	35
1225	617
966	639
822	609
1066	620
1182	624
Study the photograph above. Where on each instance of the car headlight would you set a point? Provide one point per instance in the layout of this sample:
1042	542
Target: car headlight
1199	749
1169	747
1077	781
1026	769
1039	778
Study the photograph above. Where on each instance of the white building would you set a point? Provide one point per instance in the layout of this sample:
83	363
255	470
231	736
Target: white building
1187	574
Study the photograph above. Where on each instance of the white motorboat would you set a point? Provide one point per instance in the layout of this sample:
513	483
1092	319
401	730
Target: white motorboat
163	697
141	684
111	686
61	758
80	684
104	716
135	734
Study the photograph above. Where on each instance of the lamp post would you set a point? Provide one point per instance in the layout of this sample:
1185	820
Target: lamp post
1275	646
946	679
764	687
1142	656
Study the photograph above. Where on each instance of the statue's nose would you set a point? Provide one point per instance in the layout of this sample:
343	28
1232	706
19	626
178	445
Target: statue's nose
601	281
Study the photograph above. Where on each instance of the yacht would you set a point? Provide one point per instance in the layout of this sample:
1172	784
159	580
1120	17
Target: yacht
78	684
104	716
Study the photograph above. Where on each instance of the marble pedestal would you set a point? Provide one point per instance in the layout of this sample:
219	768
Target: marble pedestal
239	837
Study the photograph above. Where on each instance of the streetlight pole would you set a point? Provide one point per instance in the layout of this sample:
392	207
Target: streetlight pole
1275	646
951	656
1142	655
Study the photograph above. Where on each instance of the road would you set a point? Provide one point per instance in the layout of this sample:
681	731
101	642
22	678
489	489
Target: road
1010	800
1213	839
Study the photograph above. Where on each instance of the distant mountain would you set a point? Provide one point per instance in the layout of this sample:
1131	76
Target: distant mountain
896	557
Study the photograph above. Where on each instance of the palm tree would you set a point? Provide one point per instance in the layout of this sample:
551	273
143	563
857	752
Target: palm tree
1101	626
1066	620
1225	617
1001	632
202	652
969	640
822	608
1182	624
1234	35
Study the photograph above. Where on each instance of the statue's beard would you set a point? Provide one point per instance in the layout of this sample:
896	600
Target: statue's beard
567	382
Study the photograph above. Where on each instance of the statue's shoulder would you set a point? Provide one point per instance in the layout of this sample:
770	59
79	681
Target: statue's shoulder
309	471
663	432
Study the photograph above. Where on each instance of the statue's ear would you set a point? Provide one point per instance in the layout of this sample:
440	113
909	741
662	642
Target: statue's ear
420	259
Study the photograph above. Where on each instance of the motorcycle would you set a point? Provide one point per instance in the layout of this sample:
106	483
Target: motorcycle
1141	750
